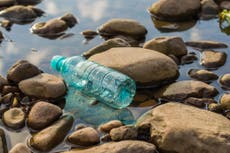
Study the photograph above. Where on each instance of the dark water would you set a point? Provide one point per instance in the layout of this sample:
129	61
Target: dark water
91	14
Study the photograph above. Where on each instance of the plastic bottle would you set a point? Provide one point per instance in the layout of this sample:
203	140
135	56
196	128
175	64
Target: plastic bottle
106	85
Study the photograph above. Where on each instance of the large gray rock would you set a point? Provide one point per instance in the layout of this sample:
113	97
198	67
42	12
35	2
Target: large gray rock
127	146
48	138
181	90
22	70
43	114
43	86
123	27
175	10
167	45
180	128
3	144
20	148
146	67
213	59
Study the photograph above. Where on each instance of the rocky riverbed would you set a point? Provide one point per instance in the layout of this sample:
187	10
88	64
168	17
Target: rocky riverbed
169	113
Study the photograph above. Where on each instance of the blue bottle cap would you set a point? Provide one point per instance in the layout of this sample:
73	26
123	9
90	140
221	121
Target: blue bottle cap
56	62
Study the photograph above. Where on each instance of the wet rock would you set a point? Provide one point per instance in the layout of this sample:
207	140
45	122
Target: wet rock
80	126
6	3
132	41
180	128
9	89
146	67
54	28
106	138
185	9
205	44
187	59
14	118
20	148
3	146
6	24
167	45
123	133
28	2
43	86
182	90
110	125
225	102
111	43
51	136
84	137
213	59
202	75
199	102
43	114
22	70
88	34
225	5
209	9
214	107
123	27
3	82
7	99
127	146
225	81
21	14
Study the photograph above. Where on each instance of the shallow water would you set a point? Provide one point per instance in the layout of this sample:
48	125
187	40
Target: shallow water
91	14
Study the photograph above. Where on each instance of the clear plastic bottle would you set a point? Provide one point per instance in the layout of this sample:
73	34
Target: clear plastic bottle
106	85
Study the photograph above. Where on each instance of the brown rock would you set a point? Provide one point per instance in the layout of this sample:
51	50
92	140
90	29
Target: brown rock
146	67
14	118
20	148
3	146
199	102
180	128
209	9
225	102
187	59
10	89
225	81
110	125
202	75
3	82
225	5
205	44
213	59
123	133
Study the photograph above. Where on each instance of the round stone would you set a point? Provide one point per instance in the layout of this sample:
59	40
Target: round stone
14	118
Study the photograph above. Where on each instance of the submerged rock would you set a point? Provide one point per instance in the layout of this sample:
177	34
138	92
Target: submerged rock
182	90
43	85
225	81
21	14
51	136
84	137
20	148
188	59
205	44
14	118
22	70
180	128
3	146
111	43
54	28
202	75
123	27
213	59
43	114
185	9
167	45
146	67
127	146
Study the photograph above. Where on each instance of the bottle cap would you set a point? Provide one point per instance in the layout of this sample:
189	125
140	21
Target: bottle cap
56	62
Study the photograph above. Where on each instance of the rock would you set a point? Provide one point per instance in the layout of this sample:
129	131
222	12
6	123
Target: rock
225	5
182	90
14	118
51	136
3	146
214	107
209	9
3	82
205	44
110	125
199	102
225	102
10	89
111	43
146	67
84	137
202	75
213	59
185	9
126	146
80	126
20	148
180	128
225	81
22	70
123	27
21	14
54	27
6	24
43	114
7	99
1	37
28	2
187	59
167	45
43	86
88	34
6	3
123	133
